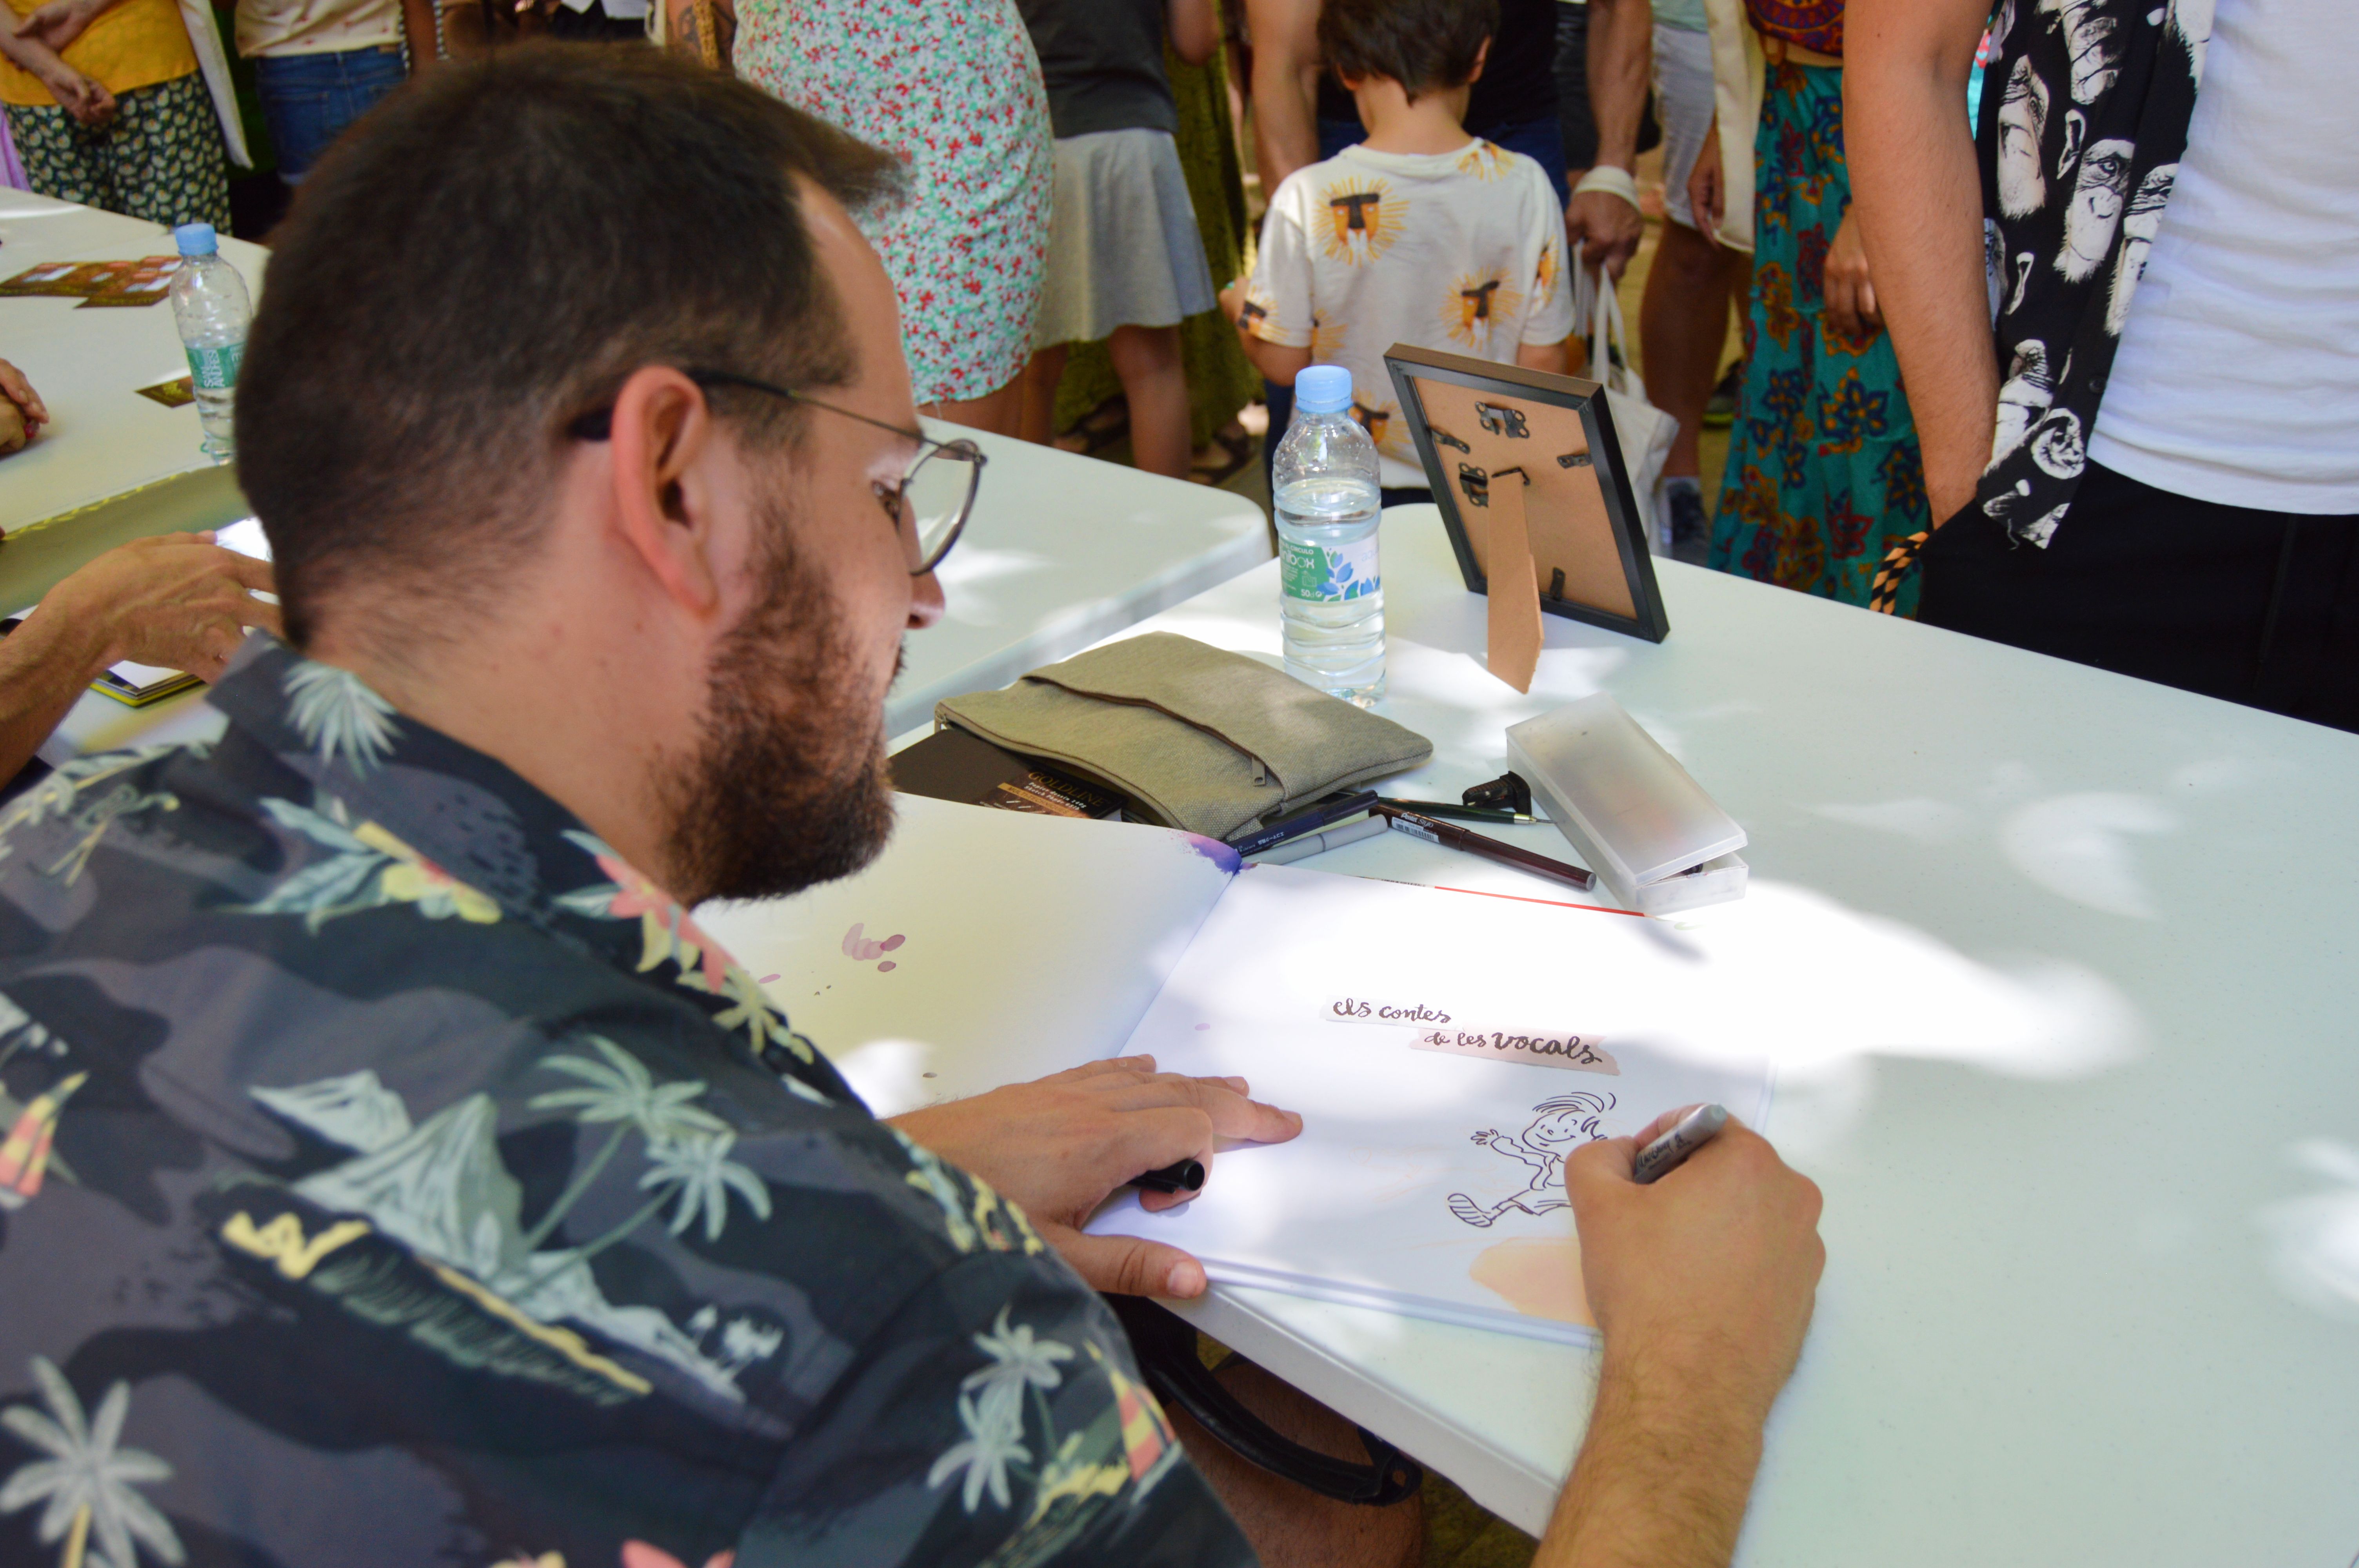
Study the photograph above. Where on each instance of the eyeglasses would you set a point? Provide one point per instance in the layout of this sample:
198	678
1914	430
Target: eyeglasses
933	499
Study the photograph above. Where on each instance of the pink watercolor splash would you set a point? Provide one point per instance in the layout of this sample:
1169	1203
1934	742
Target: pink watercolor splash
866	950
1212	849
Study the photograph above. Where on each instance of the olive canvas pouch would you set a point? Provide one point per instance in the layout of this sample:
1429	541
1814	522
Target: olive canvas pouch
1203	740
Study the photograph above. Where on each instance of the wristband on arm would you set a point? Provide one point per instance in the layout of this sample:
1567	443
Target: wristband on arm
1612	180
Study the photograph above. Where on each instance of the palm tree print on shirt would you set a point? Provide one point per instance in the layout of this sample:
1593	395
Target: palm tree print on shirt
87	1479
991	1410
686	1147
339	716
368	869
618	1089
439	1190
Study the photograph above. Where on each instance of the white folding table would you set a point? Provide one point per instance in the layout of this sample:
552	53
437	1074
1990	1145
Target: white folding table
1061	551
2092	1294
104	441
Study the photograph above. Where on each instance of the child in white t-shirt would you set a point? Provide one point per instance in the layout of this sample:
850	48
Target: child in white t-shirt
1422	234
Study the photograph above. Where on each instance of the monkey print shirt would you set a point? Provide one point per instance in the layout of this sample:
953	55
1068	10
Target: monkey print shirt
2084	115
391	1174
1463	253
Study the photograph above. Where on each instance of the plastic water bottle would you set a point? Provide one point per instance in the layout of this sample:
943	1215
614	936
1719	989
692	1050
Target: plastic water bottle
213	311
1329	498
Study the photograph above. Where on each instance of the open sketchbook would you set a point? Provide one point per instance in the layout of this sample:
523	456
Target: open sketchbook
1445	1049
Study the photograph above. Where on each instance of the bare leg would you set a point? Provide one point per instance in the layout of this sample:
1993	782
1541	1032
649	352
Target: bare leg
1040	378
1682	324
999	411
1291	1526
1147	359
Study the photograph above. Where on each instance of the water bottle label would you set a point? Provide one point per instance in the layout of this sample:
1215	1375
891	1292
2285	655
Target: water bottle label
215	370
1330	576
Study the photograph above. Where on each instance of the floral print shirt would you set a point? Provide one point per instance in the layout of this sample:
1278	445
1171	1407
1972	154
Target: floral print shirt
389	1174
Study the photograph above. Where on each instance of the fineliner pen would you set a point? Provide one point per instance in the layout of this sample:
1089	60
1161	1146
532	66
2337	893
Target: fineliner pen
1684	1137
1302	822
1186	1176
1462	812
1454	837
1319	843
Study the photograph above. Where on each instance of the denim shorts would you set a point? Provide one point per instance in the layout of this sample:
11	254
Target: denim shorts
309	99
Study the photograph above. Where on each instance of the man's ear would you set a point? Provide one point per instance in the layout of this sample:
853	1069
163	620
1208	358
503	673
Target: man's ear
661	445
1482	56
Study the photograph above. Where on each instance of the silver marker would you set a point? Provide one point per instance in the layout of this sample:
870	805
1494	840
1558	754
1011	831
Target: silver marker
1683	1138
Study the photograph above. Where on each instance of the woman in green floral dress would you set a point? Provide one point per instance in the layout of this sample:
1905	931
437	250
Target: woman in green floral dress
1823	475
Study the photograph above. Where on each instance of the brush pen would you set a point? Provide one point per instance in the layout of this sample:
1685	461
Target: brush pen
1453	838
1333	809
1462	812
1181	1177
1681	1138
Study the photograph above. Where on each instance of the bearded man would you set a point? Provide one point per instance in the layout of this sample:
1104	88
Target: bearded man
395	1174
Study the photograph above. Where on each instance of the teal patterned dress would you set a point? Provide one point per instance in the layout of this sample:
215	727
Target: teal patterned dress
1823	474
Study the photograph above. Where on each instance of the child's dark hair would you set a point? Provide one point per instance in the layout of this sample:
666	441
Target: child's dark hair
1425	45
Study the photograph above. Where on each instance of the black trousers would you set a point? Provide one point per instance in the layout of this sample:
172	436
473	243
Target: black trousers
2257	607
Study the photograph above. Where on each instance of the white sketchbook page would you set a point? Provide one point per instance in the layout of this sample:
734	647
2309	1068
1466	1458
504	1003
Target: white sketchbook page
983	947
1388	1197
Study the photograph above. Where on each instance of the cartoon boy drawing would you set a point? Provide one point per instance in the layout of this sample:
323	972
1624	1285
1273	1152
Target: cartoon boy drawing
1563	1124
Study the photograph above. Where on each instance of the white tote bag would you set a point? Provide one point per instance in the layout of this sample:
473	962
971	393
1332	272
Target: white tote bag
1644	431
204	37
1739	79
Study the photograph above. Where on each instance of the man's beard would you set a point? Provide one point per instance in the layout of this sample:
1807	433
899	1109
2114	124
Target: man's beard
788	785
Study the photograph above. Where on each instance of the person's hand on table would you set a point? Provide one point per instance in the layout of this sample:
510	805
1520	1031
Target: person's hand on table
1060	1145
1850	292
1708	1272
1605	228
1702	1284
177	601
22	412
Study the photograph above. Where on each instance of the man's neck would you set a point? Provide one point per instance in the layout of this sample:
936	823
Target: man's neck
1435	123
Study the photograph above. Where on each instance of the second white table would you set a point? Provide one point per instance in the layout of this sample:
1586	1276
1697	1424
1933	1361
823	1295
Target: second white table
2087	1112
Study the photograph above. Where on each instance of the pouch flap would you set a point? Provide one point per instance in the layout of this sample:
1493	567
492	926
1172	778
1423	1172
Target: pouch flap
1305	736
1207	740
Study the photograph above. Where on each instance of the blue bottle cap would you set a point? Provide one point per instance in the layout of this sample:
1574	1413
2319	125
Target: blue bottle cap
1322	389
196	238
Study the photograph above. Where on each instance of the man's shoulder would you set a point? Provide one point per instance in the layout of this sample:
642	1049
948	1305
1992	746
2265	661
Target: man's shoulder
479	1241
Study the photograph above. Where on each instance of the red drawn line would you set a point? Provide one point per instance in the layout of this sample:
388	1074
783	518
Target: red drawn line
1551	903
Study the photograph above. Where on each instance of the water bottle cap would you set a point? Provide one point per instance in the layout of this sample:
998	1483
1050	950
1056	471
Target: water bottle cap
1322	389
196	238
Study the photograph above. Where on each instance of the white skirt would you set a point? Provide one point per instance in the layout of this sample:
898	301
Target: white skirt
1123	245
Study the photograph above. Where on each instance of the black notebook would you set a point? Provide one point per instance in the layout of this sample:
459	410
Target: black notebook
950	764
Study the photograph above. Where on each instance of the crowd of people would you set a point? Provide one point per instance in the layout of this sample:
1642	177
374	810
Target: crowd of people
1487	149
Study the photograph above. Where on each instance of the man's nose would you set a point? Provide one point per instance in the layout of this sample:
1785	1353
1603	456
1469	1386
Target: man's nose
925	601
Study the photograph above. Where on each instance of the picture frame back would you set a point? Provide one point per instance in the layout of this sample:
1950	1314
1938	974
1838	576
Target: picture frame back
1475	420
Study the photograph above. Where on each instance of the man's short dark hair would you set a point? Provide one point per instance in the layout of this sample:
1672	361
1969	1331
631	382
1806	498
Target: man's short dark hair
489	254
1427	46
